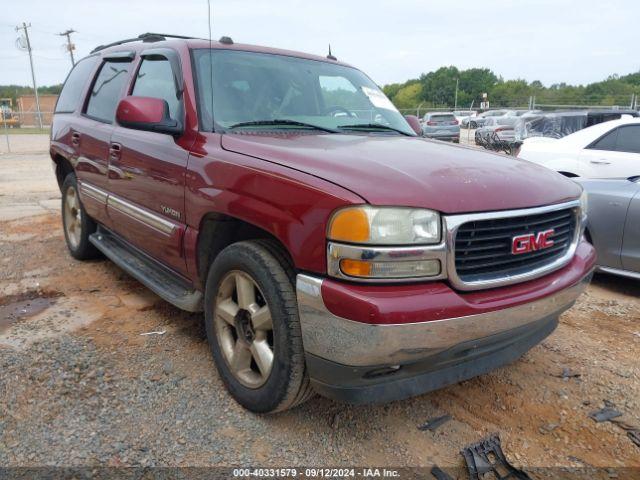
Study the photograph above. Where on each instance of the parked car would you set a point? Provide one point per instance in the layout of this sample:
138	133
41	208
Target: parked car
461	115
561	124
606	150
441	126
329	253
502	127
521	113
478	121
614	223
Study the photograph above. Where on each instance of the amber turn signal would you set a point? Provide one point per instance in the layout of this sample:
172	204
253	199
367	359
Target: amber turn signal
355	268
350	225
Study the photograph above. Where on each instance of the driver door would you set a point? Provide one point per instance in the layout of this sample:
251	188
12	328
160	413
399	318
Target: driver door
147	169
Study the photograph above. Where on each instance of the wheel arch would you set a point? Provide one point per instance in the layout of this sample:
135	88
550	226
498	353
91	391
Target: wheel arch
217	231
63	168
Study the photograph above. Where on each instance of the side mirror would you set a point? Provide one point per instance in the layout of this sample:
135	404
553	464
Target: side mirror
147	113
414	123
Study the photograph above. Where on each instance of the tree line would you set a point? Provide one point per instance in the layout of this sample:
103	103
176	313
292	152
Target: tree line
438	89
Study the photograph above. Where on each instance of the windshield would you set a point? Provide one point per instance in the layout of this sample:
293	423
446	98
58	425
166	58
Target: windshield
259	87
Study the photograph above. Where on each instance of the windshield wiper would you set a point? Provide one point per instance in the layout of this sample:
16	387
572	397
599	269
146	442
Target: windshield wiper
376	126
284	121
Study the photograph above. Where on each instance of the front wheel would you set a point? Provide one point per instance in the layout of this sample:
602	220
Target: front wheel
77	225
253	327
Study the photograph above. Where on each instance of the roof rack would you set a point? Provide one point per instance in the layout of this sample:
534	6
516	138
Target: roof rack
145	37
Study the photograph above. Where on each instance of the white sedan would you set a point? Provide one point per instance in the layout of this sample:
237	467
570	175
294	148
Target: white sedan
606	150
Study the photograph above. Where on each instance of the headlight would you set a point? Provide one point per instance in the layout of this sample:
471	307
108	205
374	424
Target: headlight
385	243
385	226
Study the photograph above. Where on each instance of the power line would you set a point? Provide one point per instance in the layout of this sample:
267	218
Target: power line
70	46
25	29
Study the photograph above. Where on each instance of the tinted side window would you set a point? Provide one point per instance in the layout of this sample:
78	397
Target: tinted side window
155	79
105	93
74	85
608	142
629	139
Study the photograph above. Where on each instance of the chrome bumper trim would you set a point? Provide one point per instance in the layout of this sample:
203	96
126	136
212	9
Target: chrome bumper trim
453	222
360	344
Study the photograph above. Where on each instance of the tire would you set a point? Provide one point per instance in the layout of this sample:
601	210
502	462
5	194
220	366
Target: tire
473	125
76	224
244	279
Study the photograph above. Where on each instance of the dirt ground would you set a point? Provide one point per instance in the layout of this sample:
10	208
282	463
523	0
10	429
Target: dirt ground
81	385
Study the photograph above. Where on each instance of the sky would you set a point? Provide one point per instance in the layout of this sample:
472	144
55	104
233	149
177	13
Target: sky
575	42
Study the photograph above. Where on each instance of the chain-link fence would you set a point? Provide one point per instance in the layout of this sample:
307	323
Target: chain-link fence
16	126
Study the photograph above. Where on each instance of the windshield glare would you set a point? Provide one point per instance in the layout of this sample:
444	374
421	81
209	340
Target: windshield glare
254	87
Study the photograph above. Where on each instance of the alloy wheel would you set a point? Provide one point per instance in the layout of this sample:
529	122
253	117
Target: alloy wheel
72	217
244	329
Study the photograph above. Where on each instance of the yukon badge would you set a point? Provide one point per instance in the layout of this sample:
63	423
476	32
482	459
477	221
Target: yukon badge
531	242
170	211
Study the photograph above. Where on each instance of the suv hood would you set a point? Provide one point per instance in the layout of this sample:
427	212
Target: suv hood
410	171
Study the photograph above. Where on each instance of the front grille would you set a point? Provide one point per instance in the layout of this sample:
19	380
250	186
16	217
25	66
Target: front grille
483	247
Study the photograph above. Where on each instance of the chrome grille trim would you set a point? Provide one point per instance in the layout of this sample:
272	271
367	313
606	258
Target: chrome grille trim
453	222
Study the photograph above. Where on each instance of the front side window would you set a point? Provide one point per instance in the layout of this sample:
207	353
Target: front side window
237	87
155	79
75	84
629	139
107	90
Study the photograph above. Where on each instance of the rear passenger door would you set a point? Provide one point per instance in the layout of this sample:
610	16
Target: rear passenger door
92	133
147	169
614	155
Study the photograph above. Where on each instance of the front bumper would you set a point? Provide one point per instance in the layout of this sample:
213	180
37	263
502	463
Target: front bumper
358	361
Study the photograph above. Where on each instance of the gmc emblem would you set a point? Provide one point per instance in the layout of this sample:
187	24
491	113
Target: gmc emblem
531	242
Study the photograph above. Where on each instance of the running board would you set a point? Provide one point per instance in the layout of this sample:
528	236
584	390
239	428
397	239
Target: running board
162	281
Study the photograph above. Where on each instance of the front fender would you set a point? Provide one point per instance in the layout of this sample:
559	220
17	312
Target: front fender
292	206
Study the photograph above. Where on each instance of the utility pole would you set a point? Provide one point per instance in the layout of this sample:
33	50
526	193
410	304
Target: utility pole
455	106
70	46
25	27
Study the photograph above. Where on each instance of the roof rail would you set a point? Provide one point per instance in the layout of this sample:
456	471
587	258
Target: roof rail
145	37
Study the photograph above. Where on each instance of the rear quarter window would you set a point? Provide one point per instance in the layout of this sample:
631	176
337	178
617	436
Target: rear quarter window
71	95
628	139
607	142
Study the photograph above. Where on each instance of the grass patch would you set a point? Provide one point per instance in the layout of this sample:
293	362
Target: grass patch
24	130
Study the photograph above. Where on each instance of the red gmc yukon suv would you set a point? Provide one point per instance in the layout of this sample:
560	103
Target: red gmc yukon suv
331	248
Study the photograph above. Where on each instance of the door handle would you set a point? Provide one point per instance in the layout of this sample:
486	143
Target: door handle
75	139
602	161
115	149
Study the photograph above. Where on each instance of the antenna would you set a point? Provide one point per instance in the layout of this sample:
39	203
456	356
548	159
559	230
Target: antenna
330	56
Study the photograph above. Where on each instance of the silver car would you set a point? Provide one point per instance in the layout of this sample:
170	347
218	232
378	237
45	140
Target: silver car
479	120
441	126
614	223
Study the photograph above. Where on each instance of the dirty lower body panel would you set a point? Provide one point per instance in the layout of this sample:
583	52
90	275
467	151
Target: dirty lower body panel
462	362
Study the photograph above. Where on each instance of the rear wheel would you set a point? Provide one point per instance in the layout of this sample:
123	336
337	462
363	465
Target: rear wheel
77	225
253	327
